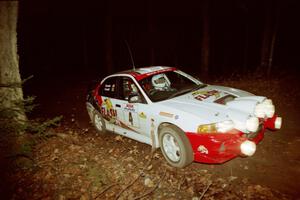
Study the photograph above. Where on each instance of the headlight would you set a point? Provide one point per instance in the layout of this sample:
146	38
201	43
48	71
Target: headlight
252	124
248	148
259	111
265	108
269	108
219	127
278	122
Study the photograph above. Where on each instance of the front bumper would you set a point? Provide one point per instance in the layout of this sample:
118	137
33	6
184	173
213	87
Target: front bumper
219	148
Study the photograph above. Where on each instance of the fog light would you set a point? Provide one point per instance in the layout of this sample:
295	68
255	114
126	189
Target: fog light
269	110
278	122
259	111
248	148
252	124
268	102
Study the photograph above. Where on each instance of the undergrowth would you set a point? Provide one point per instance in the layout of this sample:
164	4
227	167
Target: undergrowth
19	136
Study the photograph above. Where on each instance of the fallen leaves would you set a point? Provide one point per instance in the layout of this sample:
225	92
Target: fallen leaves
82	166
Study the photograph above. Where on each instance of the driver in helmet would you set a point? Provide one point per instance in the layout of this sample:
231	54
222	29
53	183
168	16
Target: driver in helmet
161	82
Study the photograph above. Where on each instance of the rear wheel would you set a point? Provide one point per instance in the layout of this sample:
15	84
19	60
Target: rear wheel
96	118
175	147
99	122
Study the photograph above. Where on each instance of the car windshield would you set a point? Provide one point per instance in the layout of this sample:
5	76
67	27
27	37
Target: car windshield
168	85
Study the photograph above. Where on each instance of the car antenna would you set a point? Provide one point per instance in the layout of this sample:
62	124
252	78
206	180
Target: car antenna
133	66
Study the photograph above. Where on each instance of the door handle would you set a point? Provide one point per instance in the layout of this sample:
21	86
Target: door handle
118	105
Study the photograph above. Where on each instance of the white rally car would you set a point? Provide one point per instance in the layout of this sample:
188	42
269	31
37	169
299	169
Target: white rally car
189	120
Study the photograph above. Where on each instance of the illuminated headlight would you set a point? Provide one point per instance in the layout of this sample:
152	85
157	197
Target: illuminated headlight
259	111
269	107
219	127
268	102
248	148
278	122
252	124
265	108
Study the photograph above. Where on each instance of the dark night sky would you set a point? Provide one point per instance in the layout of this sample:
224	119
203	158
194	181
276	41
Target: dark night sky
69	37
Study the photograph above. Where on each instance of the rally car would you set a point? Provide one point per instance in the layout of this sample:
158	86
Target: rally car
184	117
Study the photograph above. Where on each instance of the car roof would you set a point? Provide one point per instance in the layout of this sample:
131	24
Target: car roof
141	73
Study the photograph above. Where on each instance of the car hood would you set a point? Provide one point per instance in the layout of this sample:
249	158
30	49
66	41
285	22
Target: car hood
216	103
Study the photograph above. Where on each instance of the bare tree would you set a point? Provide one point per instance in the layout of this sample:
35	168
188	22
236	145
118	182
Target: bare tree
205	38
273	41
11	93
151	32
265	48
108	38
271	25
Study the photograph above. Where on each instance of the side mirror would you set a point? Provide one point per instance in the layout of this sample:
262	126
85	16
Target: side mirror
134	98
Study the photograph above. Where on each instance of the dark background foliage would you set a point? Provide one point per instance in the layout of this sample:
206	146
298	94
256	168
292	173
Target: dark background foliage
68	37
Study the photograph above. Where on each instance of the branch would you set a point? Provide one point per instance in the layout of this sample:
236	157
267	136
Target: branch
205	190
107	188
141	173
153	189
129	185
26	79
16	85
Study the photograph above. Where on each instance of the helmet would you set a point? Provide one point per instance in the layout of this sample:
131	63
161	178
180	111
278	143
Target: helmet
133	87
160	81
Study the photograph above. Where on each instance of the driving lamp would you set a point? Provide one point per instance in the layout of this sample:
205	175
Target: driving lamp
248	148
265	108
252	124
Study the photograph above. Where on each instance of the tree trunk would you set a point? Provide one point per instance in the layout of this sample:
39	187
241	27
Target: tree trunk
205	39
265	48
10	81
245	66
273	41
108	39
151	32
270	61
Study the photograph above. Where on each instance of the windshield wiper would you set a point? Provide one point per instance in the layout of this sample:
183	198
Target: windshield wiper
199	87
187	90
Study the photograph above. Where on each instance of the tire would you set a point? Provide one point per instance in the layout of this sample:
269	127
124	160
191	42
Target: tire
175	147
96	119
90	109
99	122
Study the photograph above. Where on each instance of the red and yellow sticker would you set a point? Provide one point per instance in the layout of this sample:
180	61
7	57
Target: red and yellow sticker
201	95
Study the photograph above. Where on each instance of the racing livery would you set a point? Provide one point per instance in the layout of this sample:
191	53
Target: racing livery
189	120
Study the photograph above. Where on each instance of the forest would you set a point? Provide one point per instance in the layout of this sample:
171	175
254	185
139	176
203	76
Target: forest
52	52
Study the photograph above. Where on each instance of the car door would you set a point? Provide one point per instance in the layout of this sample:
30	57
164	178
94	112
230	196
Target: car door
134	113
109	95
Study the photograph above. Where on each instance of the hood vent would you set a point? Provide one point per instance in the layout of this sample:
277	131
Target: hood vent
225	99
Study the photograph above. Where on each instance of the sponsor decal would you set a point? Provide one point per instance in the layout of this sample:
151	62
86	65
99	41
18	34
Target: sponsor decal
142	115
108	111
108	87
165	114
202	149
128	128
201	95
130	119
129	107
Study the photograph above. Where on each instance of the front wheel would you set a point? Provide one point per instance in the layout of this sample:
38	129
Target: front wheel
175	147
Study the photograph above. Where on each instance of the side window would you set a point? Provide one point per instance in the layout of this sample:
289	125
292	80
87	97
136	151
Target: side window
109	88
129	87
